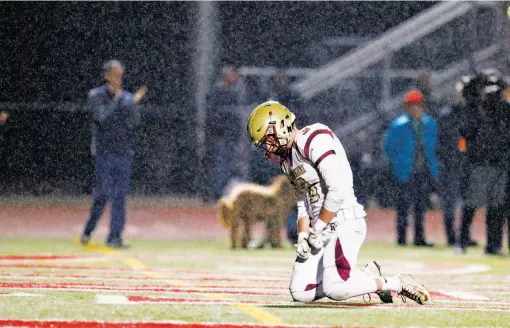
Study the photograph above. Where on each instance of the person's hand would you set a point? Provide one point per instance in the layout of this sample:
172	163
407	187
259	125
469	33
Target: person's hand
302	247
315	240
3	117
140	93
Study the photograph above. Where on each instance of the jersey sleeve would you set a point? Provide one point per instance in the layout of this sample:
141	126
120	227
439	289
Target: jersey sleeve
322	150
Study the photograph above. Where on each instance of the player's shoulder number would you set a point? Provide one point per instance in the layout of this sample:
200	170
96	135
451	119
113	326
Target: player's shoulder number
305	131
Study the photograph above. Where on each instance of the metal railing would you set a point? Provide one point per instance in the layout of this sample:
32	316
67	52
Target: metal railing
376	50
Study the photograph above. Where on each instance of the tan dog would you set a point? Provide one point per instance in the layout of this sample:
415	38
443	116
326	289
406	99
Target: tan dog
248	203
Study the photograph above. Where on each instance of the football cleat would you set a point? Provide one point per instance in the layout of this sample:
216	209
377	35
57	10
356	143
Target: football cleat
373	269
413	290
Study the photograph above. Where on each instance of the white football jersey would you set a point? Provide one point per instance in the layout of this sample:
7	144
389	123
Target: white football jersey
321	174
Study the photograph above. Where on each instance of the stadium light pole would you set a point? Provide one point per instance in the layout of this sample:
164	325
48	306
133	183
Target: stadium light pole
206	28
386	83
503	33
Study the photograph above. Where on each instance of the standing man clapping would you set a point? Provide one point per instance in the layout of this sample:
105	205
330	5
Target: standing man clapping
115	115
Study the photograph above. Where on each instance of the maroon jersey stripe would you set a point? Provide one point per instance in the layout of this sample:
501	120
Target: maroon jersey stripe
326	154
342	265
313	135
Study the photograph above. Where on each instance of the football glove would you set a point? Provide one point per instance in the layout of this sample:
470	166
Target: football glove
315	240
302	246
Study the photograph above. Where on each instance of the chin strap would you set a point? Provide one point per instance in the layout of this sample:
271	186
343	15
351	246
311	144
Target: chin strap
282	153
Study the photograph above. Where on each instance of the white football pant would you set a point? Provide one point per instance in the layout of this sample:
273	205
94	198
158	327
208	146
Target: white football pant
330	272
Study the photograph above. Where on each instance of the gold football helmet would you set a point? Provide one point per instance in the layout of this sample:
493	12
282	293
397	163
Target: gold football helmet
269	127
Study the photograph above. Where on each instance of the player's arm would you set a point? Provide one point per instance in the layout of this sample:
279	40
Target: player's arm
303	223
302	215
324	157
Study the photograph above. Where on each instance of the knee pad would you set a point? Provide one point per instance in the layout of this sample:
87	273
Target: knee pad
333	285
303	296
335	291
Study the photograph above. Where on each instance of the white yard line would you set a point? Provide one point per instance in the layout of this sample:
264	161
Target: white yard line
124	300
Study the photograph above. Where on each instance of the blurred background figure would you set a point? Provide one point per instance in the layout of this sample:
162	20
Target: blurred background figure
485	130
3	128
115	116
223	127
3	117
3	136
448	153
281	92
410	145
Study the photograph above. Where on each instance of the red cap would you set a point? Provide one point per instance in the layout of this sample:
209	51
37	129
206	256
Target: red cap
414	97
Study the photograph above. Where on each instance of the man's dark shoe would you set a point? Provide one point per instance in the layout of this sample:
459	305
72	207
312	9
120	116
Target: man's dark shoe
472	243
423	243
494	252
459	249
118	244
84	239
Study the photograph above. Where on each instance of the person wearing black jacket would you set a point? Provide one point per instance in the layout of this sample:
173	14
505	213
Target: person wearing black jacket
451	165
448	154
485	128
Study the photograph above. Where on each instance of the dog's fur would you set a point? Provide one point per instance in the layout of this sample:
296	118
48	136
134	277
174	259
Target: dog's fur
247	203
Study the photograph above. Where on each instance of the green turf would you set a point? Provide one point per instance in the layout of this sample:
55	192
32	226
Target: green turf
174	263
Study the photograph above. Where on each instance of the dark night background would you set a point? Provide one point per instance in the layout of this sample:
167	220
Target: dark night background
52	52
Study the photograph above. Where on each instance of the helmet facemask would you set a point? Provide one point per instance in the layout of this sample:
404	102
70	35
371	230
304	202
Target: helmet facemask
274	145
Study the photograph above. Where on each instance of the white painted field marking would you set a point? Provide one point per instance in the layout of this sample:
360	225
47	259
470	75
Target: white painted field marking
22	294
87	259
245	268
257	313
111	299
159	323
412	267
464	295
430	269
470	269
475	302
124	300
198	284
287	260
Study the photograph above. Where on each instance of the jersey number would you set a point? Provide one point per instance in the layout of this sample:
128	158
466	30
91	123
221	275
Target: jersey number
312	190
314	195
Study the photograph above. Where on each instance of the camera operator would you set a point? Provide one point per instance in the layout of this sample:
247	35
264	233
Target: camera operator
485	129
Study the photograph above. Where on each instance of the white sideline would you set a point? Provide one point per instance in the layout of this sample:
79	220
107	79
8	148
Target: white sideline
467	296
111	299
21	294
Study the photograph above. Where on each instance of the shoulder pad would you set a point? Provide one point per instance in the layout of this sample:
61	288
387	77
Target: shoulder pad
308	133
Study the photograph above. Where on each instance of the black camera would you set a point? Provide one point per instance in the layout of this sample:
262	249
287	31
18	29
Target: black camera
483	90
